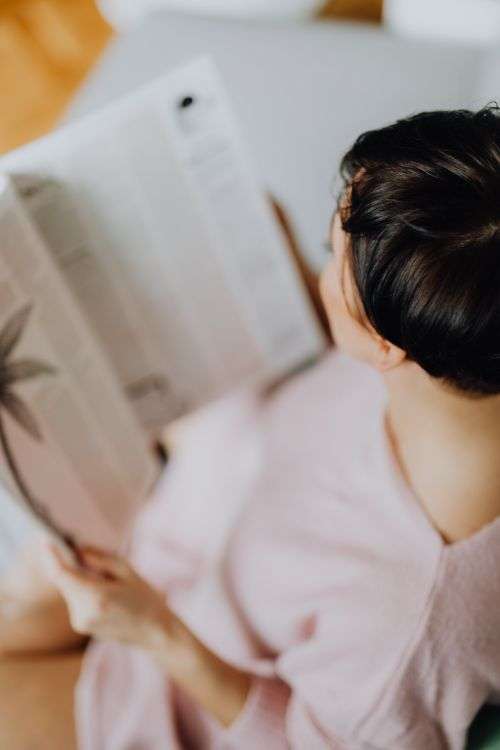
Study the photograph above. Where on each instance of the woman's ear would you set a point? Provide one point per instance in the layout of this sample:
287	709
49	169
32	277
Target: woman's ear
386	355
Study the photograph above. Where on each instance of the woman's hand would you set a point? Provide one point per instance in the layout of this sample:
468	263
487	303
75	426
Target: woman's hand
106	599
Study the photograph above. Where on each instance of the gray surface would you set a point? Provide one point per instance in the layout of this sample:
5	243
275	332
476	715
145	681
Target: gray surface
303	92
489	83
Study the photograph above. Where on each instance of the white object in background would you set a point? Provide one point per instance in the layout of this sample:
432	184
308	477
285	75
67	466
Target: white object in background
124	13
15	527
469	21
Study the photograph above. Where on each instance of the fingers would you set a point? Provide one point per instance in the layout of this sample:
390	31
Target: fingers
99	566
106	563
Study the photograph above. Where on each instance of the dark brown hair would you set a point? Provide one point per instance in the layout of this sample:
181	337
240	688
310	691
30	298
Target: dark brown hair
423	219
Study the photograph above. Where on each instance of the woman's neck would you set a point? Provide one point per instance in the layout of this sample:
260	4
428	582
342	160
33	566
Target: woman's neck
448	448
418	404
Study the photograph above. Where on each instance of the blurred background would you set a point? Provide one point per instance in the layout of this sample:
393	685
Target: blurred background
305	77
47	47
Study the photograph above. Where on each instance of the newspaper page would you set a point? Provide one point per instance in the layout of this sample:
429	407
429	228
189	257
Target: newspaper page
163	233
69	437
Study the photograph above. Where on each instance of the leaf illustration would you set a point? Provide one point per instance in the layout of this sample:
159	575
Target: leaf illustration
20	413
12	331
24	369
10	374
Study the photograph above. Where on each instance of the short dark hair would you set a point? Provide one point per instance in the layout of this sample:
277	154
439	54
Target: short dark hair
423	219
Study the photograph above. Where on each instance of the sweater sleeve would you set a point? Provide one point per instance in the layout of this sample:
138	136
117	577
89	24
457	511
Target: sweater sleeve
275	718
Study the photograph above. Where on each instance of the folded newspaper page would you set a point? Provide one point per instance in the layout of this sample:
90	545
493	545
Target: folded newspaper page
154	216
73	454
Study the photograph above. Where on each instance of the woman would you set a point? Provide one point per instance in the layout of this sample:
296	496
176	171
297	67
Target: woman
330	554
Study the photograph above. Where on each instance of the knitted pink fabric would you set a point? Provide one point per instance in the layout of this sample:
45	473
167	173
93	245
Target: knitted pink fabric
286	538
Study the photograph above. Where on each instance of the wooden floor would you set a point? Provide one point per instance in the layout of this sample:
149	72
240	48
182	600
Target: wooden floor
358	10
47	47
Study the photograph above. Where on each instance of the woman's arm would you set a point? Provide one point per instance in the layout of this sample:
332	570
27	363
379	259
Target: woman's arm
218	687
109	601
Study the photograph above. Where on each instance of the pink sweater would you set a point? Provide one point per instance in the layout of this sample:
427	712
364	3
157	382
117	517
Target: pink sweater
285	536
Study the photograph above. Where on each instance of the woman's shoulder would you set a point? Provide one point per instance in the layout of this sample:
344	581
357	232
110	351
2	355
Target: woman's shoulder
329	406
334	375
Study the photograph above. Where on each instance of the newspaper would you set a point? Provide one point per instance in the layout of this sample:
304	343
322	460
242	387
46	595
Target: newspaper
70	441
142	257
163	233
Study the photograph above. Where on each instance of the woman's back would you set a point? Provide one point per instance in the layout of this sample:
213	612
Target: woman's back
331	582
390	654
